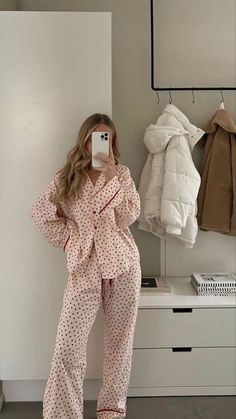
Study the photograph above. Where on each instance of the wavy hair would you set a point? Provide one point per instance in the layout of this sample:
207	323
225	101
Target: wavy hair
78	158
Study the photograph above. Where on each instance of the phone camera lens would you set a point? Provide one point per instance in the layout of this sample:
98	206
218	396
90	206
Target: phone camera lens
102	136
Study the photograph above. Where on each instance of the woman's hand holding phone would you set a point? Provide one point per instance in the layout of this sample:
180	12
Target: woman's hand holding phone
108	166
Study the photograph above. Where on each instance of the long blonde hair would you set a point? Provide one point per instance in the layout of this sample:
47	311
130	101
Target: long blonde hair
78	158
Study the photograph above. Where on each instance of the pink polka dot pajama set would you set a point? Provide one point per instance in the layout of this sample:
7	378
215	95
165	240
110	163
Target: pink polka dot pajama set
103	262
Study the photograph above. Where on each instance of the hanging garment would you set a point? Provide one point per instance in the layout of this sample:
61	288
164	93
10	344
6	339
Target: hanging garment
217	193
101	215
169	181
119	296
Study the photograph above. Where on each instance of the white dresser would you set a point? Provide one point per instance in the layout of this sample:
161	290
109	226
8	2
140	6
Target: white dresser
184	344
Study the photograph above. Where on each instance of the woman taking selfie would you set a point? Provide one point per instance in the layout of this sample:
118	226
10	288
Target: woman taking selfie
87	212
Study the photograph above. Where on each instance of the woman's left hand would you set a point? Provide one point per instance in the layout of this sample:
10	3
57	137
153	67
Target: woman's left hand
108	163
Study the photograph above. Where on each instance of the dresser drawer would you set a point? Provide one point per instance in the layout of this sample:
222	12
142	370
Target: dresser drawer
159	328
199	367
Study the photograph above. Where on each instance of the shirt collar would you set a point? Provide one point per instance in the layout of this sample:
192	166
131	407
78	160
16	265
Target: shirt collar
98	185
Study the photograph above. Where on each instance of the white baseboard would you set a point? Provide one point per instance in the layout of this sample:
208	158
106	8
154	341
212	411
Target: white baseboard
27	390
181	391
33	390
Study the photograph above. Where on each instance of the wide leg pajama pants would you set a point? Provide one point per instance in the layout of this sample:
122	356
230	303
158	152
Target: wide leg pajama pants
63	397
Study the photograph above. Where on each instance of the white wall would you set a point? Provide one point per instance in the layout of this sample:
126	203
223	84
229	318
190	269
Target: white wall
195	45
55	71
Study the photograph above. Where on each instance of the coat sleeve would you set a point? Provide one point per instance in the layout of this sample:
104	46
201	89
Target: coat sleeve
48	217
120	196
180	189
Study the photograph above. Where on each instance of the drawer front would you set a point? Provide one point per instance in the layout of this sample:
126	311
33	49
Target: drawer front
199	367
159	328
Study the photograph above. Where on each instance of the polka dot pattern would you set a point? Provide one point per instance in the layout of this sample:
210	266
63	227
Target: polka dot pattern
119	296
102	215
103	262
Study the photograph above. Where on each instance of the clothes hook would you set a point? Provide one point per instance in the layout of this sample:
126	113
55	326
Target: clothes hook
170	101
222	97
222	100
193	101
158	98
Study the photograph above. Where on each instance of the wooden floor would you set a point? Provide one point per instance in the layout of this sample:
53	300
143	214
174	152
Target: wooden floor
200	407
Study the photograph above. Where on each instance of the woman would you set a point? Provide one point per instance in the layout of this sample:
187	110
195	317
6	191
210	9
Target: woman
87	212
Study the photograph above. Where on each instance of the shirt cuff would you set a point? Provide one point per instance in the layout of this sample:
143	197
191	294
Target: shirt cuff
71	225
65	244
111	194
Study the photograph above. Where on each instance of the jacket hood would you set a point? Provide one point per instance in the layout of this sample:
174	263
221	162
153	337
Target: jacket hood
222	119
156	138
171	122
194	133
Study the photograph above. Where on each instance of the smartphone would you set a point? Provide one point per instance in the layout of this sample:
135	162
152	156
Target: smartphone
100	144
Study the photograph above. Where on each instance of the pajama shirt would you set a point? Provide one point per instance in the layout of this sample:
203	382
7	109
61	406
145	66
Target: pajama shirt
101	215
103	262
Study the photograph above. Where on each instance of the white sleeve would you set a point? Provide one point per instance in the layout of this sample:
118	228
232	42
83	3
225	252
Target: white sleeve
181	184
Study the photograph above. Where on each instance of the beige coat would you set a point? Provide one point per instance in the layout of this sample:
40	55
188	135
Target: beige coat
217	193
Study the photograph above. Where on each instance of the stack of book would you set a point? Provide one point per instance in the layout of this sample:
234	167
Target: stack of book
216	283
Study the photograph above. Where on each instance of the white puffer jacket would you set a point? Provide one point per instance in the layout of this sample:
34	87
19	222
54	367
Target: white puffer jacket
170	182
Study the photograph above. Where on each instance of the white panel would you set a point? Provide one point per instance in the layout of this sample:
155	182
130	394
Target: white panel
211	252
55	71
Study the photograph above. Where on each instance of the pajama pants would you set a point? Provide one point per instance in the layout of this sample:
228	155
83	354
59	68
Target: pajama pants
63	397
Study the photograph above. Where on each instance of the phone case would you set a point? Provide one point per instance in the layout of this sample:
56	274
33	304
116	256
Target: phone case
100	144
